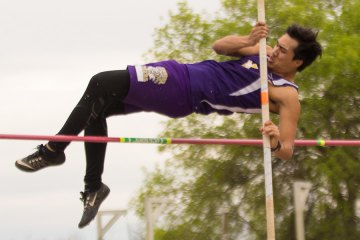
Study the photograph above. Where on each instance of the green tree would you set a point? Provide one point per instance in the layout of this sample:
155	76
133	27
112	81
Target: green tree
201	180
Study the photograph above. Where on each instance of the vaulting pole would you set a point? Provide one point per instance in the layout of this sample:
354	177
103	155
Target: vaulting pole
270	218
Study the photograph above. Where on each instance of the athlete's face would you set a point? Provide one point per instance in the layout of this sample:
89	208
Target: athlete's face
281	60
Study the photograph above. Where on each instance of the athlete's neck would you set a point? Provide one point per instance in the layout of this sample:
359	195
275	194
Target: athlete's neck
290	76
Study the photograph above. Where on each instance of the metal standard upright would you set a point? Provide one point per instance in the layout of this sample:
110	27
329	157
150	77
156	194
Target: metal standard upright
115	215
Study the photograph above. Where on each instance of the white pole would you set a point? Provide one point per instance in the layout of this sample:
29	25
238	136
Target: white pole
270	222
301	192
149	219
224	222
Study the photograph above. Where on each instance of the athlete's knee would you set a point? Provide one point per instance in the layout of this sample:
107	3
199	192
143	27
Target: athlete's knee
95	84
94	95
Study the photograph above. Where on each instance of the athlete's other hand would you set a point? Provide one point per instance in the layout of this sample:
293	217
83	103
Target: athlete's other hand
271	130
259	31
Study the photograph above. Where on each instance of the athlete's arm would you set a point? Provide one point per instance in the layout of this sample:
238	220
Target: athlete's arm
289	113
238	46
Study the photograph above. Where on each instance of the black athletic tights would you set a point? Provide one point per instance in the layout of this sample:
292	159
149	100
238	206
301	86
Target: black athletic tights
102	98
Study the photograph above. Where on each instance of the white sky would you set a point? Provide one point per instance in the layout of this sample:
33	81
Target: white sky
48	52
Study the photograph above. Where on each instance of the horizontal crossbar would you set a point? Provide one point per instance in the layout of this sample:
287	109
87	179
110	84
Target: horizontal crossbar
220	141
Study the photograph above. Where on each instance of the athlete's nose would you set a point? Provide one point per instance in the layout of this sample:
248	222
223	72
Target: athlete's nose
275	51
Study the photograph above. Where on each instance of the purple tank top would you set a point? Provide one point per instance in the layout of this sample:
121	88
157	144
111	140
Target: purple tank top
177	90
161	87
227	87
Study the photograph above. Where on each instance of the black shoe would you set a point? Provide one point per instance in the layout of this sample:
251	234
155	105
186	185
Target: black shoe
92	201
40	159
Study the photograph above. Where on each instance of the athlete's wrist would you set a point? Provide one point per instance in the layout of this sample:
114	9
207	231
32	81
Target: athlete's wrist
277	148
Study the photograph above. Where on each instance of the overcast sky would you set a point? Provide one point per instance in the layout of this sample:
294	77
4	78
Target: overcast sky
49	50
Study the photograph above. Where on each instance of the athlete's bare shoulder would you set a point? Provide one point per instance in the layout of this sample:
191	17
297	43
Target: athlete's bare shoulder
283	97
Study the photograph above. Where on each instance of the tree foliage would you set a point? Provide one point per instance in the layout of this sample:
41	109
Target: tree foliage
201	181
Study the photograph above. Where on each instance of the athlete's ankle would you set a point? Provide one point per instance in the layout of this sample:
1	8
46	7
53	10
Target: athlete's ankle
50	148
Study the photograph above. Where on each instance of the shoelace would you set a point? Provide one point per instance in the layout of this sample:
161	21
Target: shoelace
37	153
85	199
38	161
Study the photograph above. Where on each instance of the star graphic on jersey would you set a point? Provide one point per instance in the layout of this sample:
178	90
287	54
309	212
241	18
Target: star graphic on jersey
250	64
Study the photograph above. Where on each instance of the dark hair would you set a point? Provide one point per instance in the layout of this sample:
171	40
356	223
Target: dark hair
308	49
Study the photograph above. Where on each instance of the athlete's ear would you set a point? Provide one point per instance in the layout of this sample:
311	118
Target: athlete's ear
298	62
